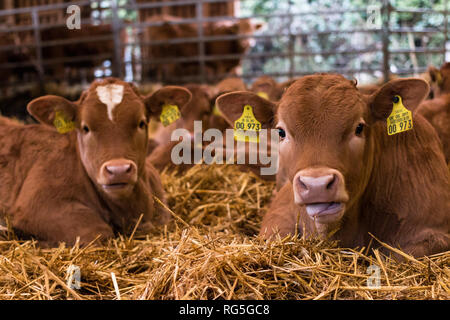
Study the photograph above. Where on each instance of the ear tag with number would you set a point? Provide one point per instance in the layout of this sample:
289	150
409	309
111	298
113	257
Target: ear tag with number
61	124
216	110
400	119
264	95
247	123
169	114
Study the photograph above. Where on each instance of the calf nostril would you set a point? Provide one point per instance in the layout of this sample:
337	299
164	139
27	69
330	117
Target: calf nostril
128	168
303	186
331	183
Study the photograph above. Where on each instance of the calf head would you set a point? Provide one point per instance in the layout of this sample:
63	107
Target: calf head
198	109
326	129
110	120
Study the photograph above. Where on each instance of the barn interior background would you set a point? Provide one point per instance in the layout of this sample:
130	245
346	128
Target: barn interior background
182	41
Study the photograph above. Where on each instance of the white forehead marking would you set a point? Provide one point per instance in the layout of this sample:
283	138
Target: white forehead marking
111	95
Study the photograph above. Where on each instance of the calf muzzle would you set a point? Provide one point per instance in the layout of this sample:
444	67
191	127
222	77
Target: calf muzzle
118	174
322	192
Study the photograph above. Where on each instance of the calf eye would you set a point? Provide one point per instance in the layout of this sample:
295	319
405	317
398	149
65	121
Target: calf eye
142	124
85	129
281	133
359	129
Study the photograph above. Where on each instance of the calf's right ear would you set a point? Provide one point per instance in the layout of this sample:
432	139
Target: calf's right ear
412	91
231	105
44	109
174	95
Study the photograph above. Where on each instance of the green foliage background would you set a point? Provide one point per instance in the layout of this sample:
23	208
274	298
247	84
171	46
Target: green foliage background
355	16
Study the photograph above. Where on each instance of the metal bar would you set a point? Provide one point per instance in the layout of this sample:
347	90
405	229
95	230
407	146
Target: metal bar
279	74
42	26
116	29
386	14
153	5
201	43
252	55
210	57
217	19
37	40
416	50
58	42
44	7
262	36
161	4
229	18
58	60
445	30
291	47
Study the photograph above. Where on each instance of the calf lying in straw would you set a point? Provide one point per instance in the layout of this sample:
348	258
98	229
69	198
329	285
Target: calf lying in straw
89	179
349	172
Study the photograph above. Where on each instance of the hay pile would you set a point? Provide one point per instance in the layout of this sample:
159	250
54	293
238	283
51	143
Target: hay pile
210	252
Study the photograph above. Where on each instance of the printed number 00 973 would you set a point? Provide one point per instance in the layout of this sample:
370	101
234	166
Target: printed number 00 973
250	126
404	125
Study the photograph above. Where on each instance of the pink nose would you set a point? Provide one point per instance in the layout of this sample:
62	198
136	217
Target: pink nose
119	171
316	185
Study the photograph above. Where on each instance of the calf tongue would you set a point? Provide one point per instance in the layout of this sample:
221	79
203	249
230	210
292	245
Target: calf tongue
313	209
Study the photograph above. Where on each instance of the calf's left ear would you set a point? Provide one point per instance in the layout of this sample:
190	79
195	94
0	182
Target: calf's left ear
412	91
44	109
173	95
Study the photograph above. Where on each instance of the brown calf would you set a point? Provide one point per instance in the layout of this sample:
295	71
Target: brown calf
171	28
200	108
346	176
92	180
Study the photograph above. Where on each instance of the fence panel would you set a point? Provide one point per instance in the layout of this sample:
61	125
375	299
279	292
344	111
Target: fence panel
119	40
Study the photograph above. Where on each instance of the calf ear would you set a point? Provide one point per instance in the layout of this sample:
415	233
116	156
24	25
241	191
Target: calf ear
174	95
231	105
435	75
44	109
411	90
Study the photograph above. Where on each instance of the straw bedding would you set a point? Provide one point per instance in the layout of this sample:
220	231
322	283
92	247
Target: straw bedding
210	251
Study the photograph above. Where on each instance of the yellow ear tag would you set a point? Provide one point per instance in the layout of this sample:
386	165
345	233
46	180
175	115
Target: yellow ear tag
400	118
216	110
247	123
61	124
264	95
439	78
169	114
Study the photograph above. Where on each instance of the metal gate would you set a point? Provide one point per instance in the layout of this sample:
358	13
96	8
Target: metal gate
287	46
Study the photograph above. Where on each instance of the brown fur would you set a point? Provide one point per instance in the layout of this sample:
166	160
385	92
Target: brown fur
440	80
166	31
269	86
200	108
51	187
437	112
397	187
